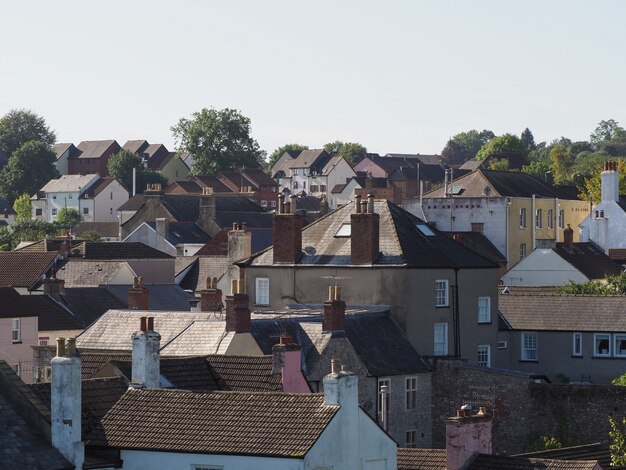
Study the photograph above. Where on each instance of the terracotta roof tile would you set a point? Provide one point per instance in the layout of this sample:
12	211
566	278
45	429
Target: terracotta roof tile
24	269
421	459
498	462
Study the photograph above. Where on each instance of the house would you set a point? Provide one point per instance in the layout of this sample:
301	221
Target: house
442	294
308	163
516	211
7	213
174	238
26	270
280	169
606	224
515	161
93	157
95	198
382	167
65	153
568	261
252	180
343	193
108	231
158	158
569	338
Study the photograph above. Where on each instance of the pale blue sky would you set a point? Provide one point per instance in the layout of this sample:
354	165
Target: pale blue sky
397	76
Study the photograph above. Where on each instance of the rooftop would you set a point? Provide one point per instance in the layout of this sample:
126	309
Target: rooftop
70	184
589	260
23	268
96	148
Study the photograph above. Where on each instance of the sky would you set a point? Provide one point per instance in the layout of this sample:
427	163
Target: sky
396	76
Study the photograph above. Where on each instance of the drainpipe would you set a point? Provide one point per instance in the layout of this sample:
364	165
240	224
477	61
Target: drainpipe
456	316
533	220
506	235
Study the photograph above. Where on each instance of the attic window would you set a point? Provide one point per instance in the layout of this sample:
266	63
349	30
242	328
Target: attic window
456	190
425	229
344	231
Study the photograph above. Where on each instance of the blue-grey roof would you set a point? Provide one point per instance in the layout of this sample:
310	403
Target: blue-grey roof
184	232
168	297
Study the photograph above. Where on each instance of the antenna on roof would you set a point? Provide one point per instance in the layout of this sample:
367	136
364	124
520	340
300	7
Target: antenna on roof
335	278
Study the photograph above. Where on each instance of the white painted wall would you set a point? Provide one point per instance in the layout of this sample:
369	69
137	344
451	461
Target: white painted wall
607	232
542	267
107	202
148	236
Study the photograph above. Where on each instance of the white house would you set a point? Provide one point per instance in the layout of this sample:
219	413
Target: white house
95	198
173	238
63	153
606	225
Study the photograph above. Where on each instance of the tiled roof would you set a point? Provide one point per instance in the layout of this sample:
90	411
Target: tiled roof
160	159
135	146
69	183
47	244
134	203
105	229
24	269
60	149
427	159
211	181
190	187
113	330
589	260
184	232
479	243
98	396
205	266
87	273
96	148
258	177
433	173
51	316
99	186
164	297
421	459
471	165
93	360
598	451
20	445
564	312
314	158
118	251
401	242
244	423
89	303
501	462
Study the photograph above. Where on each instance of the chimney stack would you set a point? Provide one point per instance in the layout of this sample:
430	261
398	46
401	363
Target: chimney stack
211	297
65	402
287	361
610	182
365	235
239	243
466	436
237	308
145	356
138	295
207	210
287	232
162	226
334	311
568	238
53	286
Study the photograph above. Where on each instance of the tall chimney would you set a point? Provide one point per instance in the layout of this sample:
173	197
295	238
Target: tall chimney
239	243
65	402
53	286
162	226
467	435
145	356
287	361
211	297
138	295
364	238
610	182
568	237
207	210
237	308
287	233
334	311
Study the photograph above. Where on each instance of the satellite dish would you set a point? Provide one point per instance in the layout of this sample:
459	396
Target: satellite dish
487	191
309	250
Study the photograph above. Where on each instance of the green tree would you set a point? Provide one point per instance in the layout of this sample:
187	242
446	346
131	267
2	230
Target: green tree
465	145
30	167
506	143
276	154
146	177
562	162
540	169
68	217
30	230
607	130
348	150
121	167
453	153
19	126
618	444
611	285
528	140
217	139
500	164
23	208
621	380
591	188
91	235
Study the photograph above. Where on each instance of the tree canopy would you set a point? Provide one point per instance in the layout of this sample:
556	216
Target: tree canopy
19	126
121	166
612	285
23	208
528	140
464	146
607	130
276	154
217	139
68	217
348	150
592	186
30	167
506	143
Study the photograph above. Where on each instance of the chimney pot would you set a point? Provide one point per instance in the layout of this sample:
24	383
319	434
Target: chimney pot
357	203
334	313
142	324
150	324
60	347
70	347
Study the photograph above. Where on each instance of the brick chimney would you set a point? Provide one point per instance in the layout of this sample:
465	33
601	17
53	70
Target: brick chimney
238	308
287	361
211	297
334	311
239	243
138	295
466	436
153	189
145	357
610	182
65	402
364	238
568	238
207	209
287	232
53	286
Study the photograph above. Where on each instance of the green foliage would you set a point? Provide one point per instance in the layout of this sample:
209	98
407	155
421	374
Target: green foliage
618	444
528	140
464	146
217	139
592	185
501	164
91	235
611	285
546	443
540	169
621	380
68	217
19	126
146	177
28	230
30	167
276	154
562	162
347	150
121	166
506	143
23	208
607	130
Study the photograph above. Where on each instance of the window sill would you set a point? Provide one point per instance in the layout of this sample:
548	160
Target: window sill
485	323
442	306
16	342
529	360
261	305
609	357
577	356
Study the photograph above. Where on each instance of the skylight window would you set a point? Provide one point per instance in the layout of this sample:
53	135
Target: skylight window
425	229
456	190
344	231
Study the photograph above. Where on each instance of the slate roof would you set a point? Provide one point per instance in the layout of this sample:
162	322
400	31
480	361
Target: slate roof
5	207
69	184
95	148
200	338
51	316
433	173
618	255
501	462
135	146
47	244
421	459
20	445
105	229
589	260
190	187
92	360
60	149
98	396
134	203
184	232
98	186
204	266
258	177
161	296
243	423
597	451
479	243
23	268
159	160
212	181
564	312
89	303
118	251
401	243
471	165
88	273
427	159
314	159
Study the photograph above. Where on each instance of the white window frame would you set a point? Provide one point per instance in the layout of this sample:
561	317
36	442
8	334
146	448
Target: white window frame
442	291
484	355
16	330
410	393
527	348
522	250
618	337
577	344
599	337
484	314
561	218
54	211
410	438
538	218
550	218
522	217
379	404
262	292
440	339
